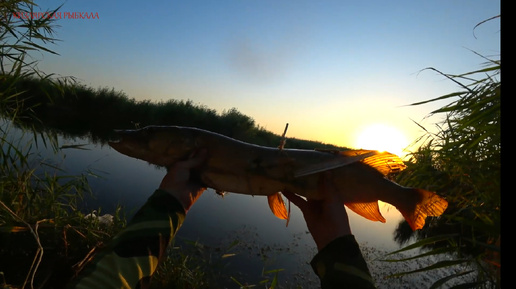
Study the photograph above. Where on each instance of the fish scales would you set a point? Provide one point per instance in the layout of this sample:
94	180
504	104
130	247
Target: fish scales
358	176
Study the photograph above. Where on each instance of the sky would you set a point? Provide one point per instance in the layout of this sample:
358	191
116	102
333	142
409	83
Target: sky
331	69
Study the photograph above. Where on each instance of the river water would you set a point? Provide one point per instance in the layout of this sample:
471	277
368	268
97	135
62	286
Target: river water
264	241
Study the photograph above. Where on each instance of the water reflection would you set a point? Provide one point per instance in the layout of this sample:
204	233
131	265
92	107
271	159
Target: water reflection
214	220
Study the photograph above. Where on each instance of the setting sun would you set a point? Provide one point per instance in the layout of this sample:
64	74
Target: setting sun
382	137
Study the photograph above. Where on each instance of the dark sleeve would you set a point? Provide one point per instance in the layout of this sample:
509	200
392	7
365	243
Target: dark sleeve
132	256
341	265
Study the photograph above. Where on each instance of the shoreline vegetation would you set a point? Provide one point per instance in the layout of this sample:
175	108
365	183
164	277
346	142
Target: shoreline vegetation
77	110
45	238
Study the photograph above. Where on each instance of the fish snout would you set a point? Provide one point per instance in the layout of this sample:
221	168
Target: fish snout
128	142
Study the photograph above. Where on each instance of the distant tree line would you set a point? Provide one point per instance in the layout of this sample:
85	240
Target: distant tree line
76	109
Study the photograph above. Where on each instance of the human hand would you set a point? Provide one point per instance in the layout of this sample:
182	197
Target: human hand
326	219
178	182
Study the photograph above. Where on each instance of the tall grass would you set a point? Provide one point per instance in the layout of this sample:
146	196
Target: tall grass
21	38
41	223
461	161
44	237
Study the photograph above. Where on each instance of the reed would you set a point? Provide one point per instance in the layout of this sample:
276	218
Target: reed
44	236
42	224
460	160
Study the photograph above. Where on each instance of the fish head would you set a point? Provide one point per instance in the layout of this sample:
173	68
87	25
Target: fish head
159	145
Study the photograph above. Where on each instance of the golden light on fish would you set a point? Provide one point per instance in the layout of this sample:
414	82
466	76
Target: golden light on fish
358	176
382	137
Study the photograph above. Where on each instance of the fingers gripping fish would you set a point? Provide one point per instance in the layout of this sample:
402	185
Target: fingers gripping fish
239	167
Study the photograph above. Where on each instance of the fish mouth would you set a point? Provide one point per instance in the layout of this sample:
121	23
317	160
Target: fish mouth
148	144
116	138
118	145
125	141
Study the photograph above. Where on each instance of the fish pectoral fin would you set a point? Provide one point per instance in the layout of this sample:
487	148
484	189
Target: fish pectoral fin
370	211
278	207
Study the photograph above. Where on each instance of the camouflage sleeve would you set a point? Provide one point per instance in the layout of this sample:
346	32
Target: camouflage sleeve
341	265
132	256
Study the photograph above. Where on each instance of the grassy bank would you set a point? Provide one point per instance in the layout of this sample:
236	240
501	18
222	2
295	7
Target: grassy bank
45	236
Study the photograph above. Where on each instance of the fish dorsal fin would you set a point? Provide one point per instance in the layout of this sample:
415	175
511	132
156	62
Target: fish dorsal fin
370	211
277	206
354	153
349	157
386	163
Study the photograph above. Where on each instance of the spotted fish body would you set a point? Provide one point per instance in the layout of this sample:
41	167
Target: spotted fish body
358	176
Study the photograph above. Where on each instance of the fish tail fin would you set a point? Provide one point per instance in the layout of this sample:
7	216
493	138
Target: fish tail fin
428	204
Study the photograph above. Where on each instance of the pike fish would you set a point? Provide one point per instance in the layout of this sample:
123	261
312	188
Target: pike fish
358	176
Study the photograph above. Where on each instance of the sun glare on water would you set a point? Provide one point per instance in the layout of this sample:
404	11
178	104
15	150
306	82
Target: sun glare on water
382	137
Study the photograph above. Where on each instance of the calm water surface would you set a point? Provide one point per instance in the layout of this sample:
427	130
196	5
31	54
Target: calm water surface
215	220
